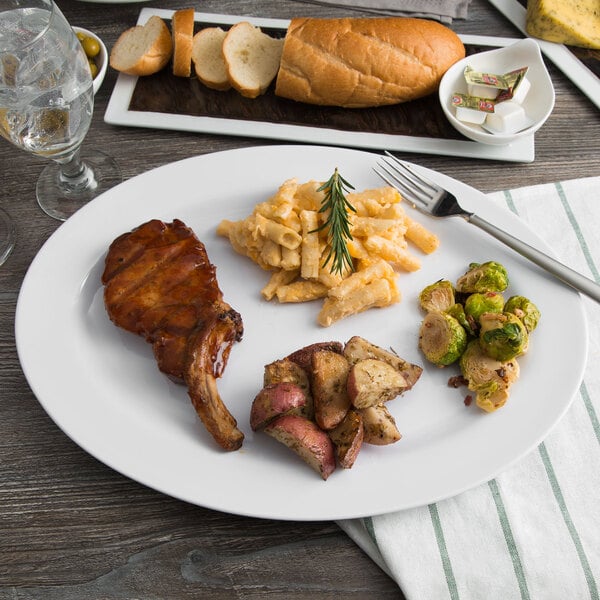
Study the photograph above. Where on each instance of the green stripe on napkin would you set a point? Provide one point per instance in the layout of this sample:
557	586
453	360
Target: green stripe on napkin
441	542
510	541
569	522
532	532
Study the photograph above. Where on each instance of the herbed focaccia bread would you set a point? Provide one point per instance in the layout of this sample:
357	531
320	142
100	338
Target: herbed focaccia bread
363	62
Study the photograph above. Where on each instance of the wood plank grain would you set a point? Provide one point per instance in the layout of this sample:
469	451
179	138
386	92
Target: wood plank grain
70	527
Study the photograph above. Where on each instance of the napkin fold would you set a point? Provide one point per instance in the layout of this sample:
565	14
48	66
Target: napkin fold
533	532
440	10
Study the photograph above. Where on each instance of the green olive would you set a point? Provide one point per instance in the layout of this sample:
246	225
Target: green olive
93	68
90	46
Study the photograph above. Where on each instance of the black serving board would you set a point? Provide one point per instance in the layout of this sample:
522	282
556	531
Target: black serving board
165	93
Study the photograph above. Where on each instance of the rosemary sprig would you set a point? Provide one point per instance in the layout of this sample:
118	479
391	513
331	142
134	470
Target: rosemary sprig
337	223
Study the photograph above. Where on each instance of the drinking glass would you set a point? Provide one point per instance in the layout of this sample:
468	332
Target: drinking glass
7	235
46	104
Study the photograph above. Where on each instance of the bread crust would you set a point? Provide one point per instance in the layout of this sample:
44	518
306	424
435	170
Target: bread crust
128	56
182	25
363	62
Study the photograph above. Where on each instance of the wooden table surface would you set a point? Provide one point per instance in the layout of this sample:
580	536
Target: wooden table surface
72	528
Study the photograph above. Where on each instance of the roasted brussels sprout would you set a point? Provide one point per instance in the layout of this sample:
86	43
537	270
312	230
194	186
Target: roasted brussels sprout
458	312
481	302
502	335
470	322
490	379
487	277
525	310
437	296
442	338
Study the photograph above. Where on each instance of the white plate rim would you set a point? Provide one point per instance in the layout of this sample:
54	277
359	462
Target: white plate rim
118	113
83	240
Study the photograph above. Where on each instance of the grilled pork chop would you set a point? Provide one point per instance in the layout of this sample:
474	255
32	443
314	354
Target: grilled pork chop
160	284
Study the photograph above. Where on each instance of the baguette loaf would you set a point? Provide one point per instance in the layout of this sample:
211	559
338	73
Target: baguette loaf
364	62
143	49
182	26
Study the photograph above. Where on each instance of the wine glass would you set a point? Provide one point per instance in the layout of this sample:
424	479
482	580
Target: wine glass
46	104
7	235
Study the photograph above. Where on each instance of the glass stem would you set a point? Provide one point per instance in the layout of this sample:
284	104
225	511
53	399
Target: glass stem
75	176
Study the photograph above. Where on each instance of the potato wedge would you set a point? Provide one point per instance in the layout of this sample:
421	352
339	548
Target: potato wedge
303	356
358	348
274	400
305	438
329	374
347	438
372	381
379	426
286	370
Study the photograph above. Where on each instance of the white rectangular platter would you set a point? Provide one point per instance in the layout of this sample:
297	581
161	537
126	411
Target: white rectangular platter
118	112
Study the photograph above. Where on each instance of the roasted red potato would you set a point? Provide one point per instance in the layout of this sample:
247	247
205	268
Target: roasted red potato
347	438
379	426
274	400
329	374
358	348
303	356
345	388
307	440
372	381
287	370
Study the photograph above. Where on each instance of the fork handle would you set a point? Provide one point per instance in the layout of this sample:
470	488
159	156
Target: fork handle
562	272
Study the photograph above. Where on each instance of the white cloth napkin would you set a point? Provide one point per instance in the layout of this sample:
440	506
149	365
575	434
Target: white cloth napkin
533	532
440	10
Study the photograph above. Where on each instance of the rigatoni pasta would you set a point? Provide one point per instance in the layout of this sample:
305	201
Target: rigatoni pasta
311	251
284	234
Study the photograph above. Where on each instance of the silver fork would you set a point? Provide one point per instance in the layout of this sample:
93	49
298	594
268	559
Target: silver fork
432	200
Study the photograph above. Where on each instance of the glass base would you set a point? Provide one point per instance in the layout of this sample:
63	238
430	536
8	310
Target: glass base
60	198
7	236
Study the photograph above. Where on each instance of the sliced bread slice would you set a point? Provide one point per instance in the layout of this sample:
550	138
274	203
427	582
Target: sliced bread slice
143	49
207	57
182	26
251	58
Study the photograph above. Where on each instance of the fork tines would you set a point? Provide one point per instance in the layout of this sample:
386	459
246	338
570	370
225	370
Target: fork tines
405	180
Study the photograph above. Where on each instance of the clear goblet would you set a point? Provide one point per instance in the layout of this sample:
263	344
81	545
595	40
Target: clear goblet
7	235
46	104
